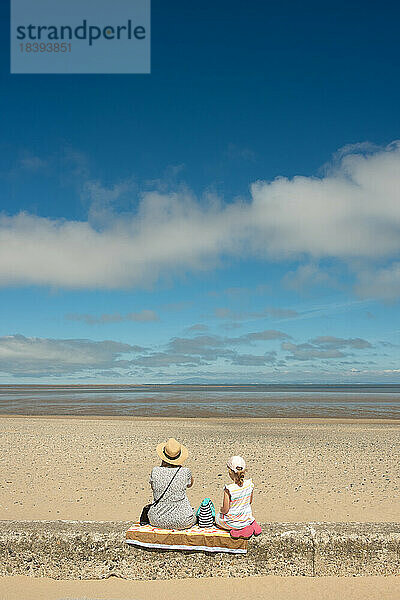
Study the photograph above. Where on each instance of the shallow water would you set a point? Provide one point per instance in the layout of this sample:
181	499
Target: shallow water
346	401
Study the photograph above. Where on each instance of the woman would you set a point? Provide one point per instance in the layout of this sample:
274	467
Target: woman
169	482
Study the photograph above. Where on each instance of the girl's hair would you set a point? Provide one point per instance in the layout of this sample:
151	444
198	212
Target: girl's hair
239	476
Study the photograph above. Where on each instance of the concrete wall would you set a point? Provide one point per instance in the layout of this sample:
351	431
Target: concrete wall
94	550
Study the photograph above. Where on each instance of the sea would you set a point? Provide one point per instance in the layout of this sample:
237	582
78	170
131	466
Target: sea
270	400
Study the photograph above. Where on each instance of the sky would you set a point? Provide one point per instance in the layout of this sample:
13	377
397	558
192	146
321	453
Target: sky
232	217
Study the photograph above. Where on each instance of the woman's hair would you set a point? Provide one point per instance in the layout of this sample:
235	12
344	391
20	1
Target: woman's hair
238	476
166	464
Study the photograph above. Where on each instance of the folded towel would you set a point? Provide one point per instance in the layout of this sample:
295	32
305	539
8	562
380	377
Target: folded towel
208	539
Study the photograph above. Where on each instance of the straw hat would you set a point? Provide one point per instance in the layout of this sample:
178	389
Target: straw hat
172	452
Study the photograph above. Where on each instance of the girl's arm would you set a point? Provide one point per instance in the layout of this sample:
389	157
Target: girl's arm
191	481
225	502
251	497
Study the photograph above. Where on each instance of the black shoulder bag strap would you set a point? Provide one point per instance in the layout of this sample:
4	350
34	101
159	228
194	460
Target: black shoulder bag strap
166	489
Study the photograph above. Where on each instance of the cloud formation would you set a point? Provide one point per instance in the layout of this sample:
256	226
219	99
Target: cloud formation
144	316
330	341
33	357
324	347
22	356
381	283
204	350
352	213
310	275
197	344
207	349
253	360
38	357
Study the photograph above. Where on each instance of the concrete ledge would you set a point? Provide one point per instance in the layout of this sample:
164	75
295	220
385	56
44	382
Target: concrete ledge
357	548
96	550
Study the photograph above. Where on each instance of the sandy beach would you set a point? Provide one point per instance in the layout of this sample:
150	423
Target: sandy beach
273	588
98	468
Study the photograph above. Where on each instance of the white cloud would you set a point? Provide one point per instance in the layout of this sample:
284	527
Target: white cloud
382	283
308	276
351	213
103	199
38	357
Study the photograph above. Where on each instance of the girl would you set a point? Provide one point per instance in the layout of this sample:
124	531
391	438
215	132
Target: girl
235	513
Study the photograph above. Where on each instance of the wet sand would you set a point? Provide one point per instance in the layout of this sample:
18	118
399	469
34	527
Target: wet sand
176	400
222	404
98	468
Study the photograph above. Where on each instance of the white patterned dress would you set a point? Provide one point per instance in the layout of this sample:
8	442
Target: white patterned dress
174	510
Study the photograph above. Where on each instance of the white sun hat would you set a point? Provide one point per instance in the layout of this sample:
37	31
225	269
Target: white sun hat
236	464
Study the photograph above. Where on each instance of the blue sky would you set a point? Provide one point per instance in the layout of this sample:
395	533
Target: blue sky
232	217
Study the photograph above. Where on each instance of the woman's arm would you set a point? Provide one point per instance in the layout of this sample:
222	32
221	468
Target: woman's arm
225	502
191	481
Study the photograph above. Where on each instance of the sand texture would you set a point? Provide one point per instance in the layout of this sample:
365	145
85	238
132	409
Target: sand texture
271	588
98	469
